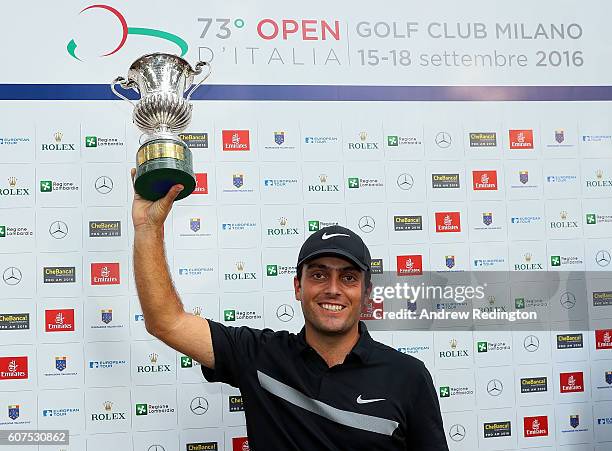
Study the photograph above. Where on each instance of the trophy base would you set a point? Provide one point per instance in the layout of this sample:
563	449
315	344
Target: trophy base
163	163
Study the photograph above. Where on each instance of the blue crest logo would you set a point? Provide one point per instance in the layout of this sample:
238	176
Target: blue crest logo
487	218
194	224
609	377
574	421
60	363
524	176
238	180
13	412
107	316
279	137
450	261
559	136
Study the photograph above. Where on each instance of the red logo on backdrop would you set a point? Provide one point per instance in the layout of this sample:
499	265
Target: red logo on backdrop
485	180
409	265
535	426
240	444
448	221
105	274
572	382
201	183
236	140
371	310
521	139
13	368
603	339
59	320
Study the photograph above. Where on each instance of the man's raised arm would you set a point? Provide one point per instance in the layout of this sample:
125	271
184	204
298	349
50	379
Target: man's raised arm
164	315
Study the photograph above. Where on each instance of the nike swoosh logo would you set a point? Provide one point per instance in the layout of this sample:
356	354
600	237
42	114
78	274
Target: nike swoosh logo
360	400
326	236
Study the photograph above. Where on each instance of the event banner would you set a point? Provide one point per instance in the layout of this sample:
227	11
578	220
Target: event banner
469	145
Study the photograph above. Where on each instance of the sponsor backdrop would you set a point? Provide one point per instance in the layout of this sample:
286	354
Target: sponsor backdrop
453	137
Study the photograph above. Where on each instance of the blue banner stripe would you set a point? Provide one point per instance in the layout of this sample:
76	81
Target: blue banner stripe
324	93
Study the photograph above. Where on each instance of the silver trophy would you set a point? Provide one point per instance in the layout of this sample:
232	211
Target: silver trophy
162	112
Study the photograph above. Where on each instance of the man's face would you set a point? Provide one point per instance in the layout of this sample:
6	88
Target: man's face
332	291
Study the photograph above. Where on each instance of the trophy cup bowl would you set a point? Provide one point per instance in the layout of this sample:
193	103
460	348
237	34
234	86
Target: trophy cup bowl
163	159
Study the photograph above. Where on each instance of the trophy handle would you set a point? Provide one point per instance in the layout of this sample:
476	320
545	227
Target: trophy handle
197	71
124	84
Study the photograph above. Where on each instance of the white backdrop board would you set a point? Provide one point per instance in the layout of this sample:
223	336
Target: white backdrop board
486	127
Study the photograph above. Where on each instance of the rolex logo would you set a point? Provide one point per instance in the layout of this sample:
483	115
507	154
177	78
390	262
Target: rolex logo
453	343
153	357
528	257
58	136
563	215
108	406
363	136
599	174
491	300
323	178
240	266
197	311
282	221
12	182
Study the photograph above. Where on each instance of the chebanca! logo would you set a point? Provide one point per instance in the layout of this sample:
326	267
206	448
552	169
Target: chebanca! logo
180	42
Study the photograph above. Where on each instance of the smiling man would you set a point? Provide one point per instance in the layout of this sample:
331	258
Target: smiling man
330	387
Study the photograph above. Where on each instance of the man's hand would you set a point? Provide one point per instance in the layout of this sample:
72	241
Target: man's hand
148	215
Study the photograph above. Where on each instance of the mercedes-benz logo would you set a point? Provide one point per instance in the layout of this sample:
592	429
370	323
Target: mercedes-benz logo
405	181
443	140
531	343
12	275
199	405
58	229
495	387
456	432
568	300
603	258
285	312
156	448
104	184
367	224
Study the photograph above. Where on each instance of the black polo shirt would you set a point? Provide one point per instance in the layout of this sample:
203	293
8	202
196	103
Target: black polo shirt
377	399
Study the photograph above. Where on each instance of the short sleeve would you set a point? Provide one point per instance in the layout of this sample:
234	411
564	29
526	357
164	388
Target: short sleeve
234	348
428	432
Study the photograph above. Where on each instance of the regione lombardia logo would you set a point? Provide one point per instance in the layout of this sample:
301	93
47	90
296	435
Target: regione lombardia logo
125	31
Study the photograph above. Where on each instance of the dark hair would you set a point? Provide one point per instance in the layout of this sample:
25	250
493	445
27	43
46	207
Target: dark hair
367	274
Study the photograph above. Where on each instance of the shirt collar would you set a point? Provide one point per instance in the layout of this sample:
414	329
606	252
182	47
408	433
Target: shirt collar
361	349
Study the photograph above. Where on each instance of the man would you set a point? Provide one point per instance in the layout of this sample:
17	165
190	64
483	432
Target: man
331	387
